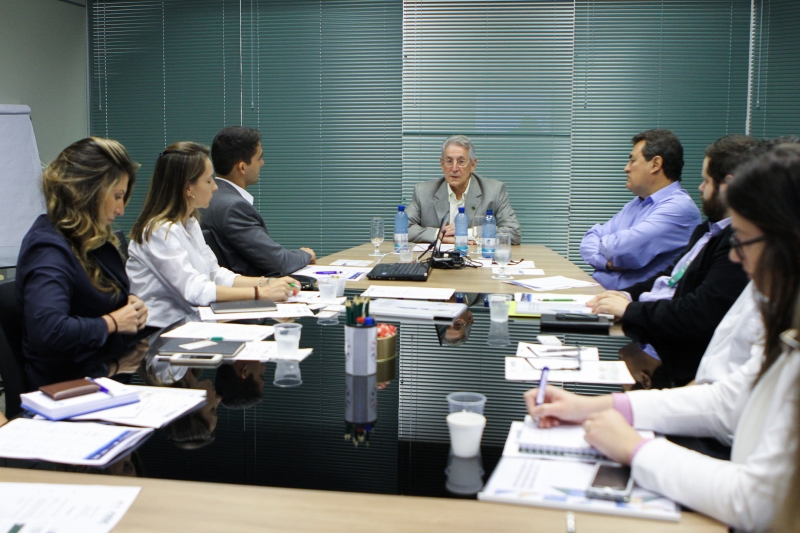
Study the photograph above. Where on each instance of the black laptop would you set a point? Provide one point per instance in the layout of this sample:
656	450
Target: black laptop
416	271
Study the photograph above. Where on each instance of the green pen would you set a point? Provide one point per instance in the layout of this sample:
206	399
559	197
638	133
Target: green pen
292	285
558	300
218	339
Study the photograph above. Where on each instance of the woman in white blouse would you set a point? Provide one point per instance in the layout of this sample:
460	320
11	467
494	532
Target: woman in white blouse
170	266
757	404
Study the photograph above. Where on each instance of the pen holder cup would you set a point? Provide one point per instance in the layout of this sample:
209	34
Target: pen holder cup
360	350
387	359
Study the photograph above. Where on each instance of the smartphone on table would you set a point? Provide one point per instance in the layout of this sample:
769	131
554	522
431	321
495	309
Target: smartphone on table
611	482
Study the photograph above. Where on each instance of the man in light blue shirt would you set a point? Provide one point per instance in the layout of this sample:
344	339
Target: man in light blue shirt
649	233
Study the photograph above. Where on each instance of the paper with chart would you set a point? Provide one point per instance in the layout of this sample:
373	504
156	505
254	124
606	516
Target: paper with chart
517	271
282	311
411	293
54	508
77	443
557	357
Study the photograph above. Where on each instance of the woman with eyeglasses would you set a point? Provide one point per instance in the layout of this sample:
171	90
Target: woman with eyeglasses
170	265
757	404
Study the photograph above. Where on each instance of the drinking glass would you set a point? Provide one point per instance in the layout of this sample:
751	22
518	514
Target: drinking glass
477	231
376	235
502	255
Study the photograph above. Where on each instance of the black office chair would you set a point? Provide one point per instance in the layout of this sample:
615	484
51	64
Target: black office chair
12	363
123	243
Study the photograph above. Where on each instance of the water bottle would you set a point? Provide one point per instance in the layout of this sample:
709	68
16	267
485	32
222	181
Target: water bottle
400	227
462	243
489	235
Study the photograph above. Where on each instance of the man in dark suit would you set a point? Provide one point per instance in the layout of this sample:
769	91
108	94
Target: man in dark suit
672	316
231	225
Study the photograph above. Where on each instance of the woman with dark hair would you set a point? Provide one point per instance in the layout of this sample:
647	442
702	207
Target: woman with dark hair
79	317
170	265
757	404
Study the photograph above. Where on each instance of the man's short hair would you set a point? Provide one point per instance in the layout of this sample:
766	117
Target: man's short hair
666	144
726	153
236	393
231	145
462	141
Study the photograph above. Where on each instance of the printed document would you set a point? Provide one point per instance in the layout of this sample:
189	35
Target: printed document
228	332
52	508
411	293
264	351
604	372
552	283
282	311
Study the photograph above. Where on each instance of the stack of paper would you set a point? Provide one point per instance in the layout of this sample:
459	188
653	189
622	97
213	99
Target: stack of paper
283	311
352	262
228	332
264	351
84	443
157	407
416	309
523	479
52	508
350	273
118	394
552	283
412	293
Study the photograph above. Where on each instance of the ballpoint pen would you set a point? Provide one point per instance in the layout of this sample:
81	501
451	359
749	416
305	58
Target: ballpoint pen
102	389
542	386
557	300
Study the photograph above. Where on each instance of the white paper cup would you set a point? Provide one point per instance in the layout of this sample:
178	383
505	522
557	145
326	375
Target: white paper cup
466	430
340	285
498	307
287	338
327	290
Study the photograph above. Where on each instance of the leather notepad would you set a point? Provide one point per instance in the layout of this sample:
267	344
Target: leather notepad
70	389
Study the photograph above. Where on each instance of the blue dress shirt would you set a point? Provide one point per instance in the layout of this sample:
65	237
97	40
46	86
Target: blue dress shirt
644	238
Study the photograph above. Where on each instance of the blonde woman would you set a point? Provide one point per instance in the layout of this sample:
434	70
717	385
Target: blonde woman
79	317
169	264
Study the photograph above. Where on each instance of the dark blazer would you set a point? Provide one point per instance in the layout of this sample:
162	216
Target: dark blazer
681	328
243	243
63	334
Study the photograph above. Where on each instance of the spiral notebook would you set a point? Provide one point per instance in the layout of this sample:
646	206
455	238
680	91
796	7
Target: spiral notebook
560	441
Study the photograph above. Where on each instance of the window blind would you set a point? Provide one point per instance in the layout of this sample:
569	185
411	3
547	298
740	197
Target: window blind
321	80
774	104
673	64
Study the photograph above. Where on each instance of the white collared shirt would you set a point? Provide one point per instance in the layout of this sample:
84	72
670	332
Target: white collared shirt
246	195
175	272
454	203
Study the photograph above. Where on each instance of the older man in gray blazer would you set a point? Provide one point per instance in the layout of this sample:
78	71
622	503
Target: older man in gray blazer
232	227
459	186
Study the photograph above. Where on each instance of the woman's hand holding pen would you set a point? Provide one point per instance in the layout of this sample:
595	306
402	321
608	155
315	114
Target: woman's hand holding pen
564	406
279	289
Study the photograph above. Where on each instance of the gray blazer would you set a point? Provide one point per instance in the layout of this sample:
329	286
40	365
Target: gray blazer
430	204
243	244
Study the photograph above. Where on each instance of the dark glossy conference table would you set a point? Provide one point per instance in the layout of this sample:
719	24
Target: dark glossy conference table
319	435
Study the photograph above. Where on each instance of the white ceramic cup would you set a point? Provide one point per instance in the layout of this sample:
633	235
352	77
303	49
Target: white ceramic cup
466	430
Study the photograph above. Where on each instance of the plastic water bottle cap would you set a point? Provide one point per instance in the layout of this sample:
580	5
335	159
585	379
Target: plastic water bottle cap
460	209
488	212
401	208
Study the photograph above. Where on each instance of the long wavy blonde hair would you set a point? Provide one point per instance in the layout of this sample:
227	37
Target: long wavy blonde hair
75	187
181	164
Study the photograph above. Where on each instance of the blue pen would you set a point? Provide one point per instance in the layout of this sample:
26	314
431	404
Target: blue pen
328	272
541	391
102	389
